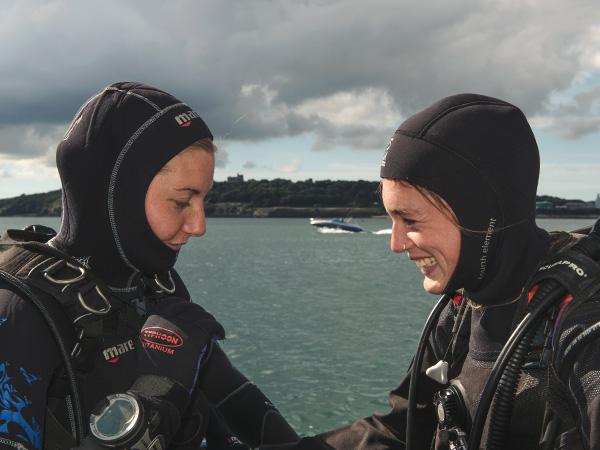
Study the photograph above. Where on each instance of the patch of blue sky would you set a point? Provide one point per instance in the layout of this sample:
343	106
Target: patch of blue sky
583	83
555	149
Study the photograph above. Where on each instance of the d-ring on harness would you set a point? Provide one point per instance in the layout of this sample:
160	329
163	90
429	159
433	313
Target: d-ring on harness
104	310
72	291
168	290
60	264
55	267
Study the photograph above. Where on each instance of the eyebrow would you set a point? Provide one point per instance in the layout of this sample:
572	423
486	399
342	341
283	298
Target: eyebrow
194	191
403	212
191	190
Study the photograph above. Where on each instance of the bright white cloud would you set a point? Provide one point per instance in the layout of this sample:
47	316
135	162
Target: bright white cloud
26	175
372	107
292	167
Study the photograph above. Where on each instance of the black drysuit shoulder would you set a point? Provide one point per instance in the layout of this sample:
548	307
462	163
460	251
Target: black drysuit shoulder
29	359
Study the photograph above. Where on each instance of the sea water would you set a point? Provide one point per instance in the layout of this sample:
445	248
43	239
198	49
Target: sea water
325	324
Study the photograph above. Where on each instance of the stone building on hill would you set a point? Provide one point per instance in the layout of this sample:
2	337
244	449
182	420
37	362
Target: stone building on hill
239	178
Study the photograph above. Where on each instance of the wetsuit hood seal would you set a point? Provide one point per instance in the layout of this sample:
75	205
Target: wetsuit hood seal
479	154
119	139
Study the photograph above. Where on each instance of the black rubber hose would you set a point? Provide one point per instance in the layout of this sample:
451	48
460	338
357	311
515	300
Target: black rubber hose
416	366
505	394
547	295
509	362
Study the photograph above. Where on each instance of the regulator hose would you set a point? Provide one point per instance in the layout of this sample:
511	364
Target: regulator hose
507	386
506	371
552	295
416	366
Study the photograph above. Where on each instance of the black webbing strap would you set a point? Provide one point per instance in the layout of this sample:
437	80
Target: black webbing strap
27	293
576	272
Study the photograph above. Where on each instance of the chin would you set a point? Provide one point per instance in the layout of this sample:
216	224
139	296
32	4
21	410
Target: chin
433	287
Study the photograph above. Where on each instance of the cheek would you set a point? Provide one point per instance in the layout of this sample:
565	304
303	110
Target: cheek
452	250
163	221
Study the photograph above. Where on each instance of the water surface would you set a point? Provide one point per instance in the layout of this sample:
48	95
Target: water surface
325	324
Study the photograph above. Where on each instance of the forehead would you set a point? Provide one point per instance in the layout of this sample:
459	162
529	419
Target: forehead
398	196
189	166
188	159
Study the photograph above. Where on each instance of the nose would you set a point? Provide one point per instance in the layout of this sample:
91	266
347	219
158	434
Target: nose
195	223
399	241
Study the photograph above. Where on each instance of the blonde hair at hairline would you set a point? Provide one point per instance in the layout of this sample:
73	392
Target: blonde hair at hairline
205	144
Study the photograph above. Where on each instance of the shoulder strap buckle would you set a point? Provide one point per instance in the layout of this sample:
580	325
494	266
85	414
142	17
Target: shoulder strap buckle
101	311
60	264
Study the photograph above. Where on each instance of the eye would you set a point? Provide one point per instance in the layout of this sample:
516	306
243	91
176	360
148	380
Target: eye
181	205
408	221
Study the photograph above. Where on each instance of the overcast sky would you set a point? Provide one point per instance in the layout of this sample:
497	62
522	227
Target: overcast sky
303	89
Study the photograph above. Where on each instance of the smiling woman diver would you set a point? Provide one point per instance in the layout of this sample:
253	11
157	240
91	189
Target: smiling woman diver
459	182
100	343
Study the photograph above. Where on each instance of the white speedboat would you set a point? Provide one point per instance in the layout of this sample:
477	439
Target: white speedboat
336	224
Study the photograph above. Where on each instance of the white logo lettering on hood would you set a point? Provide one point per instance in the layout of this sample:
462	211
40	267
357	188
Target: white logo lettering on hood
185	119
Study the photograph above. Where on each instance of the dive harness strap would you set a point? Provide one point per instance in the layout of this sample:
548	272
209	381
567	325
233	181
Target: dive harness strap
86	302
570	277
562	421
59	336
74	304
577	273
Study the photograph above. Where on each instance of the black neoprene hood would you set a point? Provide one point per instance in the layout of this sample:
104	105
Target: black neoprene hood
117	142
479	154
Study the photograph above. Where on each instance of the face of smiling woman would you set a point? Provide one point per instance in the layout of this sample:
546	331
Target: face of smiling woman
175	198
430	237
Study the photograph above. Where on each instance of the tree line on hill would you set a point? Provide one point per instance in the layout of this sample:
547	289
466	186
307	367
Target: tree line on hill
250	193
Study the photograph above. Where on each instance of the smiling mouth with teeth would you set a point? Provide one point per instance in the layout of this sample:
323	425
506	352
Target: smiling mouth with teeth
426	262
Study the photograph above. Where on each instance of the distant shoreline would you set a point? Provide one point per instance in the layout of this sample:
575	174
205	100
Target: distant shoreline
306	213
567	216
284	198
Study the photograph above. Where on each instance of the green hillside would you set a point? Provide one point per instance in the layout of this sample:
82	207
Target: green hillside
283	198
46	204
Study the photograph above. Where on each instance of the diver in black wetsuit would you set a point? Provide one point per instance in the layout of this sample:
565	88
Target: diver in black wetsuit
100	343
459	181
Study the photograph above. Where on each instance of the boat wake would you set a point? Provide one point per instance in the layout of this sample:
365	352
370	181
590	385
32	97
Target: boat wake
334	231
385	231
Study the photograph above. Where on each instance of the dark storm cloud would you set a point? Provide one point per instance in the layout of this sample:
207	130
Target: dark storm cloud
29	140
580	115
256	69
